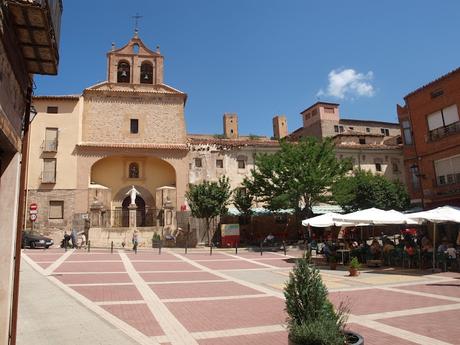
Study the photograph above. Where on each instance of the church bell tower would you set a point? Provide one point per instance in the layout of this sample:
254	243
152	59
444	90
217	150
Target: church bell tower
135	64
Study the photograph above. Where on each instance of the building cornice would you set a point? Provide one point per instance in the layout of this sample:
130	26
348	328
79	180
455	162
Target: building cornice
133	146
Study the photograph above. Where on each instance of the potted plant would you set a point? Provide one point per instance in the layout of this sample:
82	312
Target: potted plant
333	261
312	319
354	267
156	240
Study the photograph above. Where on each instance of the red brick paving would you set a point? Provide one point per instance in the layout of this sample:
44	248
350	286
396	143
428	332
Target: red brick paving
278	263
374	337
275	338
225	314
178	276
102	293
91	257
163	266
373	301
429	325
94	278
150	256
229	265
138	316
240	313
202	290
451	288
91	267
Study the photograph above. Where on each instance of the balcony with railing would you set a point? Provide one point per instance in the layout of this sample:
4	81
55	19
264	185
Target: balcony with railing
444	131
48	177
37	24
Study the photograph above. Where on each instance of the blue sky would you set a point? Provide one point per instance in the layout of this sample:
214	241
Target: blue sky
259	58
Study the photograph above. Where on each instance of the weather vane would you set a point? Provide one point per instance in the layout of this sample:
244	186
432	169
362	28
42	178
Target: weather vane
136	21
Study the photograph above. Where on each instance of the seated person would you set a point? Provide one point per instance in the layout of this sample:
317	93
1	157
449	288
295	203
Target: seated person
451	252
409	250
442	248
375	250
388	247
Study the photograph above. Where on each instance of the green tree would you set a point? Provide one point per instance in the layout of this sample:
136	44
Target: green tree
363	190
297	176
242	199
208	200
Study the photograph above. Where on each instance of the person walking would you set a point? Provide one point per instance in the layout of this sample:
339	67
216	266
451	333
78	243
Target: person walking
135	240
74	236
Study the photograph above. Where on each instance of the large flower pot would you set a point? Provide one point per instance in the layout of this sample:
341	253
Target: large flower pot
353	272
352	338
333	265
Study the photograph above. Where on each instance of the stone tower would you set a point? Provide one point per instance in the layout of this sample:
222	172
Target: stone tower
231	125
320	118
280	129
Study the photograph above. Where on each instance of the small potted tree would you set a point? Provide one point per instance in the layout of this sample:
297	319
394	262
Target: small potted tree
312	319
354	267
333	261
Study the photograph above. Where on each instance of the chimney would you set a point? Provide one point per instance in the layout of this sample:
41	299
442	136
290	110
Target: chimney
280	129
231	125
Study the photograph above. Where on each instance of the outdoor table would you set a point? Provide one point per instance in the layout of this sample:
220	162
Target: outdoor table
343	251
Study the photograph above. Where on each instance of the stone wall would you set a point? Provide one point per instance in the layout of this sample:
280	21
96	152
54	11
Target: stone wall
42	198
106	118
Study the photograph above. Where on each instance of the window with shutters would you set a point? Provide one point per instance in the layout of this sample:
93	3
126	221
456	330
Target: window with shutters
447	170
49	170
407	132
443	122
51	140
56	209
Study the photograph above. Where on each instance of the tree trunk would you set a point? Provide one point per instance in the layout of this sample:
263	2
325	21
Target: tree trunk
208	228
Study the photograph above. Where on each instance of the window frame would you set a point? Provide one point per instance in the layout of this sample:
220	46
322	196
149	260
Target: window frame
59	203
134	126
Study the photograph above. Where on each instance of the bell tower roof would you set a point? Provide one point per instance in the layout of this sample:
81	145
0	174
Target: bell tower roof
134	63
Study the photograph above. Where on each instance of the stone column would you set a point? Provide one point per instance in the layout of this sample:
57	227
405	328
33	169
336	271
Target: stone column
132	215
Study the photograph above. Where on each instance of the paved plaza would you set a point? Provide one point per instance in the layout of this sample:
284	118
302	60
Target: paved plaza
76	297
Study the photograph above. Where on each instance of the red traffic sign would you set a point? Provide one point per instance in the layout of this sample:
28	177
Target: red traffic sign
33	217
33	206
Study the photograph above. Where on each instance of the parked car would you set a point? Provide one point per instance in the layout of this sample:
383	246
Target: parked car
34	239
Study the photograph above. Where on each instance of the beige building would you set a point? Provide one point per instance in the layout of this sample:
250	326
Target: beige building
374	146
89	150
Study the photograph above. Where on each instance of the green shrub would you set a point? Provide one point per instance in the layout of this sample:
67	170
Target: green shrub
156	237
318	332
312	319
354	263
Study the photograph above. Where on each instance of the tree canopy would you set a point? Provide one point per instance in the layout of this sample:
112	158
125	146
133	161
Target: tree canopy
297	176
209	199
363	190
242	199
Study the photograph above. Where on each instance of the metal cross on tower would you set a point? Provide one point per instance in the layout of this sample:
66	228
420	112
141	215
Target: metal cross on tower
136	21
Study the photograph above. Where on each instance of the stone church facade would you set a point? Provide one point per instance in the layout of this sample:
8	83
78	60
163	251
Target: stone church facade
88	150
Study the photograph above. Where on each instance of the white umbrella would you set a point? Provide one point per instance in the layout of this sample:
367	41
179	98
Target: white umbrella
376	216
442	214
326	220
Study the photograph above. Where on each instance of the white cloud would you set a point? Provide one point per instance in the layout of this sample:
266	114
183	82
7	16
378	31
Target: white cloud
348	83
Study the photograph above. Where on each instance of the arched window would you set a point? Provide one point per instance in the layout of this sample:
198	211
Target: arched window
146	73
123	72
133	170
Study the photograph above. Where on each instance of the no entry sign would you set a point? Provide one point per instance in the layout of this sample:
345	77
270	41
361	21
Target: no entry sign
33	207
